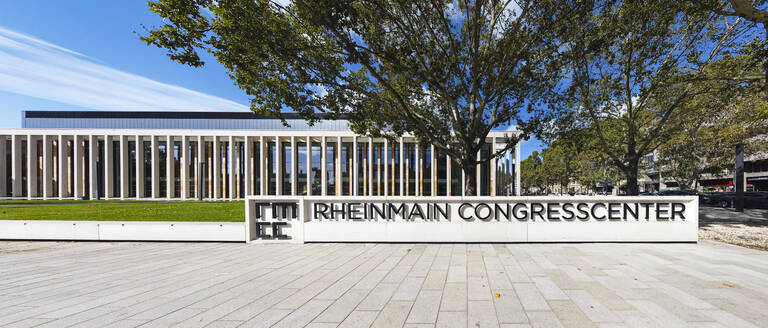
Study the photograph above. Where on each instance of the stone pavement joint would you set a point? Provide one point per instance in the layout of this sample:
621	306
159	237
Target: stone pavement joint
74	284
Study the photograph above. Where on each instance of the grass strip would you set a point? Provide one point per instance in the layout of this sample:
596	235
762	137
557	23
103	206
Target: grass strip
108	210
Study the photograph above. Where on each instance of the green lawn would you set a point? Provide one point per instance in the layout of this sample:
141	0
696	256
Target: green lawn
127	210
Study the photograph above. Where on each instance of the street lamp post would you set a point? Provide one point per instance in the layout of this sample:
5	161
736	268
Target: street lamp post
738	178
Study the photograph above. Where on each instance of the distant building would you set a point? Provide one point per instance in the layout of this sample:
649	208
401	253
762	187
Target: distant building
226	155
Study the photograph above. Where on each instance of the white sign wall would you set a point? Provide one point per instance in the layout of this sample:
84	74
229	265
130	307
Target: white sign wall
471	219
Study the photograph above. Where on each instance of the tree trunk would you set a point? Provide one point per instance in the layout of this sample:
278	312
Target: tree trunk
631	175
470	178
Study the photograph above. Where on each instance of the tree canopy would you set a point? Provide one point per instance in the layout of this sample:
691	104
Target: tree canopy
634	66
447	72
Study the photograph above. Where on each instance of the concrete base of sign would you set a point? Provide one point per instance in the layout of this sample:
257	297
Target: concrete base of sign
471	219
121	231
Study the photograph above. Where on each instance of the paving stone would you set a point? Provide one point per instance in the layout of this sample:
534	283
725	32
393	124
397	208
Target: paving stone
377	298
478	288
708	284
408	289
426	307
544	319
451	320
267	318
454	297
481	314
393	314
359	319
549	290
303	315
340	309
591	307
530	297
508	307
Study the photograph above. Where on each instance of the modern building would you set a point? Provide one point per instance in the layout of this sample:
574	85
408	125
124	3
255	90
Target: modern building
227	155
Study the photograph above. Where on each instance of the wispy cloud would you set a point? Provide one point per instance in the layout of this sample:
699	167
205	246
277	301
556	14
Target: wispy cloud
33	67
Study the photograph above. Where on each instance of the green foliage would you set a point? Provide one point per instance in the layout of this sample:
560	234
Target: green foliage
574	157
447	72
636	66
712	123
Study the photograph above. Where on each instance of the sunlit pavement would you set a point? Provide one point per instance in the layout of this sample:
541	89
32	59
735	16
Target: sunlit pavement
93	284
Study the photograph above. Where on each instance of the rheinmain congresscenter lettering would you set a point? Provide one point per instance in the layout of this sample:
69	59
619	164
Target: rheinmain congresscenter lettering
501	211
528	211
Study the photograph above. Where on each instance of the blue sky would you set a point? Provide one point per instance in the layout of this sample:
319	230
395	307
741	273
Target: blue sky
84	55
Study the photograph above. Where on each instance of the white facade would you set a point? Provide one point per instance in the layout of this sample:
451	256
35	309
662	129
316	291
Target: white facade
232	164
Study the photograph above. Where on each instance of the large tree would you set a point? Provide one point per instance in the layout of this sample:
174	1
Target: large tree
634	67
713	122
755	13
447	72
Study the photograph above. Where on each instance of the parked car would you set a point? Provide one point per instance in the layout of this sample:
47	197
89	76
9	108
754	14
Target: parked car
756	199
678	193
752	199
706	198
723	199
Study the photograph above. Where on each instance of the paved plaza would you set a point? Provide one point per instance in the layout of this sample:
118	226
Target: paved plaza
96	284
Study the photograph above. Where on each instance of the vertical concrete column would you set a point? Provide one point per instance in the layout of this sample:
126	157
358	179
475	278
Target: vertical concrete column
337	167
494	162
108	167
198	160
124	167
78	161
279	172
231	166
16	174
364	171
262	168
209	172
93	172
463	183
170	176
248	166
407	175
294	167
369	176
47	167
386	167
140	167
510	172
63	170
448	175
238	163
309	166
354	174
477	174
418	168
433	160
378	171
32	166
184	167
216	169
323	166
155	153
3	168
517	169
402	173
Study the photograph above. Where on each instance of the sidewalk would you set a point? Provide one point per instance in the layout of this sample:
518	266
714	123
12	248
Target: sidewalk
710	213
748	229
95	284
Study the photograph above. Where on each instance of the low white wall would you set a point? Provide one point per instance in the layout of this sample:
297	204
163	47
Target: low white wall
121	230
605	219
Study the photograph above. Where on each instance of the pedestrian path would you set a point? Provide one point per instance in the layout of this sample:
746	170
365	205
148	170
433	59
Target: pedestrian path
97	284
